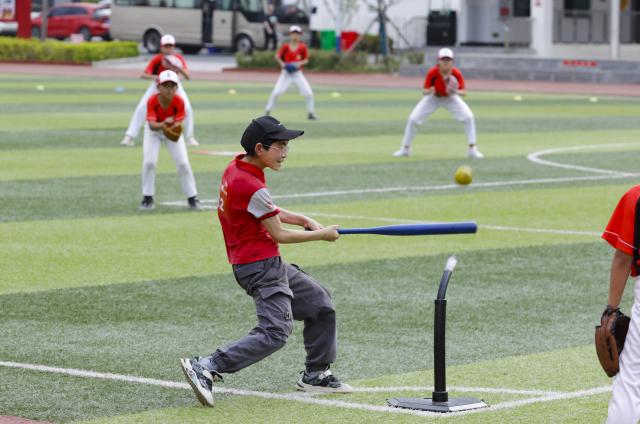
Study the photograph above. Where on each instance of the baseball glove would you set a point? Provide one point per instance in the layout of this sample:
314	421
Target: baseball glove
173	133
610	336
290	68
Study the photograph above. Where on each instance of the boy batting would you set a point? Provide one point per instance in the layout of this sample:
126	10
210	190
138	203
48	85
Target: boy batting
443	87
252	228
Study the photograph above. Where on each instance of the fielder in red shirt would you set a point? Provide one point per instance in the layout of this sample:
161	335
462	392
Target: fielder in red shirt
165	108
167	59
443	87
623	234
282	292
291	57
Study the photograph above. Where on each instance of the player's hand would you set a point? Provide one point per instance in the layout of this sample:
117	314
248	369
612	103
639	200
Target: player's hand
312	225
330	233
169	121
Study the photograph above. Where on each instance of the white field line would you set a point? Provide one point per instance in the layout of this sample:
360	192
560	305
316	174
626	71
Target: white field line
543	396
429	188
535	158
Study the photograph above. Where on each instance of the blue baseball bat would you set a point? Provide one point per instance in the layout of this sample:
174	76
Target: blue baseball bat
468	227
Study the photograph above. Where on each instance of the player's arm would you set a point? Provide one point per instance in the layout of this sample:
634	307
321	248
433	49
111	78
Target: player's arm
428	91
279	60
146	75
620	269
155	125
462	86
294	218
280	234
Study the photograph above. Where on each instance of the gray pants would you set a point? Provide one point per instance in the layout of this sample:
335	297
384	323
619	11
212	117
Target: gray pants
282	293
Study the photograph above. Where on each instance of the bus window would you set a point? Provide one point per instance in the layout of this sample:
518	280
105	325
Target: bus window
251	9
224	5
251	5
188	4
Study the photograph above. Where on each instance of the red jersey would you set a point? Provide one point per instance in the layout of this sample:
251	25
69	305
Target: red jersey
156	64
245	201
155	111
435	79
619	232
288	55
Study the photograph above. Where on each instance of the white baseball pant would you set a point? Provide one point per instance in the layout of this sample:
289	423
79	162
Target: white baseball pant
430	104
624	406
283	83
150	150
140	115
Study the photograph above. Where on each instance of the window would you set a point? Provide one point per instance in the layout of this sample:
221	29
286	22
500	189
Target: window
577	4
188	4
522	8
224	5
76	11
251	5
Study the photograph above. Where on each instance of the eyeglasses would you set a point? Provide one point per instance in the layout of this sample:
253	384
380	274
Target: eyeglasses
283	149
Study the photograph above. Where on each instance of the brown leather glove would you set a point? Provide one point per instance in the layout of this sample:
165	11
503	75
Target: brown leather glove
610	336
172	132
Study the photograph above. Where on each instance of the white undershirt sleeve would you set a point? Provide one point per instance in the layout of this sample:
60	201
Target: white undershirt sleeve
261	204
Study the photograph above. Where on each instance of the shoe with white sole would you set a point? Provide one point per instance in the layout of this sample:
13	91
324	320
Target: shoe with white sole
127	141
147	203
475	153
404	152
326	382
200	380
192	141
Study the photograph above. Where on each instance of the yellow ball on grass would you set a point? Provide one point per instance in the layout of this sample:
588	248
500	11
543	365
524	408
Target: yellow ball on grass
464	175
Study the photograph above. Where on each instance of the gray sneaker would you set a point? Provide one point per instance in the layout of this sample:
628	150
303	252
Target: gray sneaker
200	380
326	382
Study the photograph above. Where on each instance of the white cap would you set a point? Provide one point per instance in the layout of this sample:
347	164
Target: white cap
295	28
445	52
167	39
168	75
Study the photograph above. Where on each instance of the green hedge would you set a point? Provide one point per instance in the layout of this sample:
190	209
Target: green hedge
23	50
319	60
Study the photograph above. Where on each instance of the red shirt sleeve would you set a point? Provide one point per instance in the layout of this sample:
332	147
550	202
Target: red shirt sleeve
178	104
619	232
429	81
151	108
154	64
184	62
283	51
456	73
303	51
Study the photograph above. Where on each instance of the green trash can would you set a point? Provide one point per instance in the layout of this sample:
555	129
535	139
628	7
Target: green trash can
328	39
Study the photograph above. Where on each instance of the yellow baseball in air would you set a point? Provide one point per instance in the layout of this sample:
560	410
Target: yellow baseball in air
335	94
464	175
231	91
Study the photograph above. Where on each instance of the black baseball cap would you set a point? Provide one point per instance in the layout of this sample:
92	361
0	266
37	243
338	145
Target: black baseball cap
266	130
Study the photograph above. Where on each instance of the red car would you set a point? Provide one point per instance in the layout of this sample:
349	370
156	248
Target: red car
65	19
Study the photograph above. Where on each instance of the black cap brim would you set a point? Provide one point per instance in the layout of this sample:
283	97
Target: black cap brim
285	135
